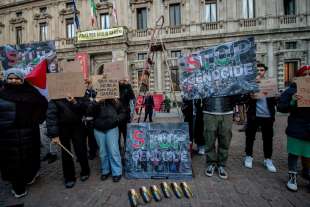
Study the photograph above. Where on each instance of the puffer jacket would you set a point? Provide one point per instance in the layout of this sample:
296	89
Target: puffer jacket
22	109
107	114
62	114
299	118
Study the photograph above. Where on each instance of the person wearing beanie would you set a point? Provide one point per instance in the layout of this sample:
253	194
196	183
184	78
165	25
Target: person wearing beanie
22	109
297	131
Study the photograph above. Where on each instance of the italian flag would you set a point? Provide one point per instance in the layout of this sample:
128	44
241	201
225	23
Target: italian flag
92	11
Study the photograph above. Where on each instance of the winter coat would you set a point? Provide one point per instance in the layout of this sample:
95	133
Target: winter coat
126	94
22	109
108	114
149	102
299	118
62	114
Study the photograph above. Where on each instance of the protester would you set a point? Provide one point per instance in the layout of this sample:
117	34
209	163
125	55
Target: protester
297	131
64	125
187	110
89	96
127	96
218	119
198	126
107	116
149	105
167	104
22	109
261	113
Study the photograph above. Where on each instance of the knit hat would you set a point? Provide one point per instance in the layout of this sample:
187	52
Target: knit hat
15	71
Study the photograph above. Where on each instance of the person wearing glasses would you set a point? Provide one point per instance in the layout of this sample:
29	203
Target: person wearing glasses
261	113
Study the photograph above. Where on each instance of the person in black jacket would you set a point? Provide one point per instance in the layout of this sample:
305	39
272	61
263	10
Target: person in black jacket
107	116
149	105
22	109
90	95
261	112
297	131
126	96
64	125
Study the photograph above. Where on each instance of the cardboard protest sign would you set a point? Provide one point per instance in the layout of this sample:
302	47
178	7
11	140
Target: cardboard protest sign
115	70
60	85
303	90
105	88
267	88
158	150
71	66
223	70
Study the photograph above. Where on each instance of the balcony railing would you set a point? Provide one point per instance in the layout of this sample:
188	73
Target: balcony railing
140	33
288	19
175	30
248	22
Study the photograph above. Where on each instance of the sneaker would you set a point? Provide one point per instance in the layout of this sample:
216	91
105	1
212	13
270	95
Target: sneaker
292	181
19	195
222	173
210	170
104	176
248	162
201	150
116	178
269	165
34	179
83	178
69	184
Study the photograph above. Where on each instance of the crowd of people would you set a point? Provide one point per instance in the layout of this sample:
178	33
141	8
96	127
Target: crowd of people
97	126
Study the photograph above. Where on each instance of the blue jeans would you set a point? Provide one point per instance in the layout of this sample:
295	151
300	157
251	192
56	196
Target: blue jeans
109	154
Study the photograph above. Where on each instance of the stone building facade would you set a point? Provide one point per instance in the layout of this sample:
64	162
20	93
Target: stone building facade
281	29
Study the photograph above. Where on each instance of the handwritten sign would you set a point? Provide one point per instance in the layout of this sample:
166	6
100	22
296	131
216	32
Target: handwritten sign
115	70
223	70
303	90
60	85
105	88
158	150
267	88
71	66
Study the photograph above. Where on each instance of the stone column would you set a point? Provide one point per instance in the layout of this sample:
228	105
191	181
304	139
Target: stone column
271	60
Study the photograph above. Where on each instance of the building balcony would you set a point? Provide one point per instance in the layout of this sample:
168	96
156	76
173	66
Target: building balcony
172	62
64	43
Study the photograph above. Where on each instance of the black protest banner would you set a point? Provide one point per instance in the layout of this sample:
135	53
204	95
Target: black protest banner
158	150
223	70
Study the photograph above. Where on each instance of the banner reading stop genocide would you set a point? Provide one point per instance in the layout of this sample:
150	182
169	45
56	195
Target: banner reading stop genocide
223	70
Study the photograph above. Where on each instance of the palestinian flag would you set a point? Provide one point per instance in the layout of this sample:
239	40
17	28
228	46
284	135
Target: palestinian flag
37	77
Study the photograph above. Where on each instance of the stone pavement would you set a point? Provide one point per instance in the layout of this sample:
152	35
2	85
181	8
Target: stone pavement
255	187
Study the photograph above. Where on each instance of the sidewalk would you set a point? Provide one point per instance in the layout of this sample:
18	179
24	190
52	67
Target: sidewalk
253	188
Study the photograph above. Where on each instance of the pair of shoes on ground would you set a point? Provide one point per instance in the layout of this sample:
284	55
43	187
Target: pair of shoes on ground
19	194
248	163
209	171
114	178
83	178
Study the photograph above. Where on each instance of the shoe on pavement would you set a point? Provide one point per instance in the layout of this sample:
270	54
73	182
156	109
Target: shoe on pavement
116	178
210	170
83	178
269	165
104	176
222	173
201	150
292	181
69	184
19	195
248	162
